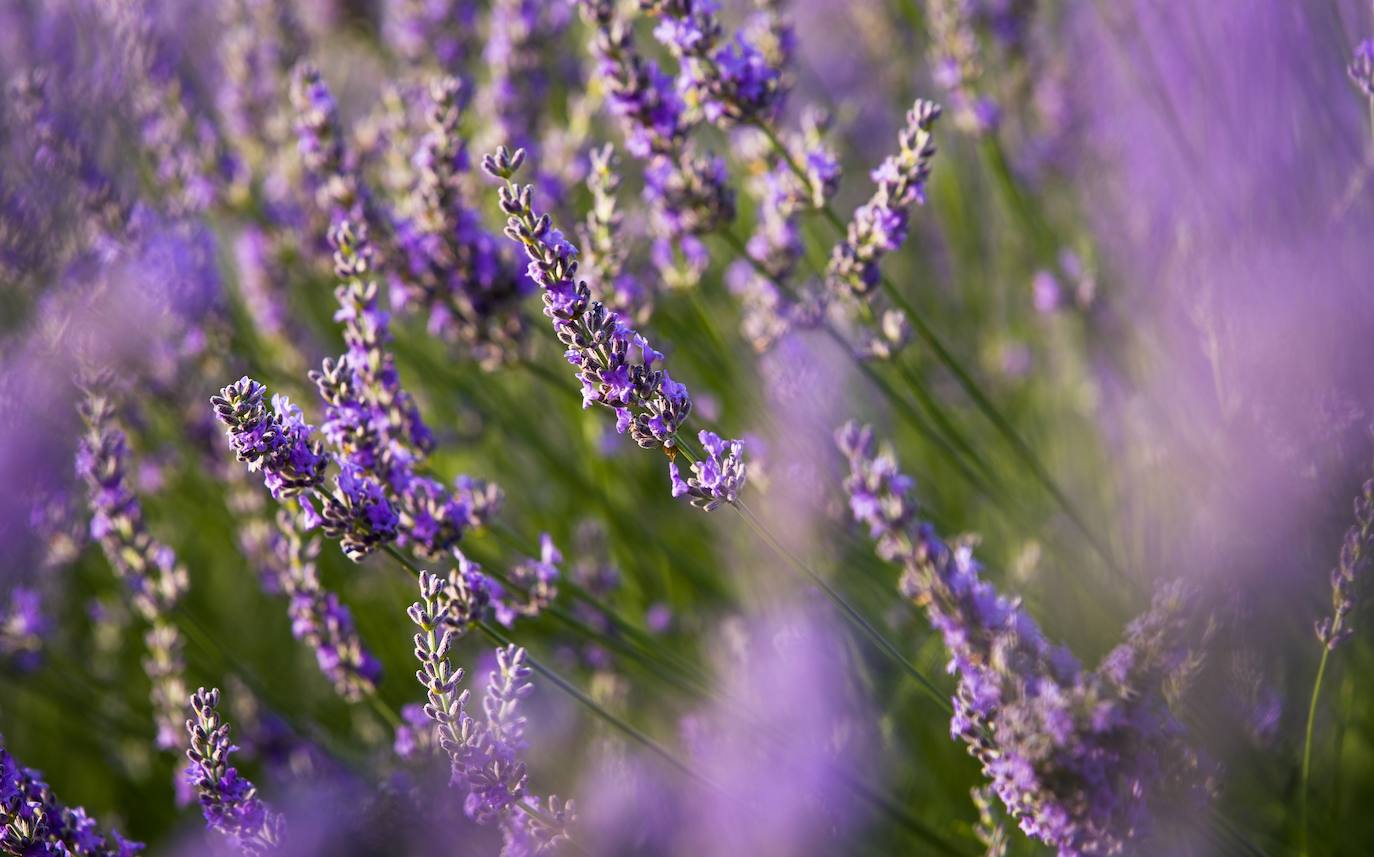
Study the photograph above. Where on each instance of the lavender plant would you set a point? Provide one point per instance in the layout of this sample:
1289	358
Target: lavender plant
228	801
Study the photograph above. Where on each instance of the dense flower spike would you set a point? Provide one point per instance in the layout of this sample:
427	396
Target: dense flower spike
1352	562
456	271
228	801
1083	760
520	35
880	225
34	823
614	362
154	580
716	479
484	755
276	440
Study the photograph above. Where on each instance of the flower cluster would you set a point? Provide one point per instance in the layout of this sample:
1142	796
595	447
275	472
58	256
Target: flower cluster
228	801
538	581
184	150
484	755
454	269
153	578
373	424
34	823
615	363
1351	563
733	80
1083	760
880	225
604	252
518	55
688	191
276	441
717	478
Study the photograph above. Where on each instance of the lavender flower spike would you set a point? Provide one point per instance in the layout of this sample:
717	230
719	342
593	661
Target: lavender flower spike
880	225
228	801
1084	760
716	479
484	756
1353	560
149	569
276	441
34	823
614	362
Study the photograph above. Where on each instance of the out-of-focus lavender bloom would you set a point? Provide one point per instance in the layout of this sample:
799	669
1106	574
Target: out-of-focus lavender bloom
539	580
276	441
989	829
185	151
484	755
637	89
456	270
1351	563
260	45
34	823
522	40
733	80
331	167
149	569
1086	761
957	66
604	250
319	619
23	626
880	225
1361	68
433	33
228	801
716	479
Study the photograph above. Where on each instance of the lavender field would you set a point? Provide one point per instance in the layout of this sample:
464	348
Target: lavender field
686	428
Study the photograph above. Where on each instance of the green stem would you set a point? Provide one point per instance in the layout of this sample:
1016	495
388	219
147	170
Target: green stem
1307	749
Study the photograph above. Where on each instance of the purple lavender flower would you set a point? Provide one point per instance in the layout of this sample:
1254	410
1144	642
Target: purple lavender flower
228	801
1351	563
438	33
186	152
957	67
149	569
1084	760
880	225
34	823
717	478
319	619
484	756
357	513
330	166
276	441
521	39
23	626
455	269
603	250
538	578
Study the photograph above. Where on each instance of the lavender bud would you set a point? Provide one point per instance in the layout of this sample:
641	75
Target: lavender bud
228	801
